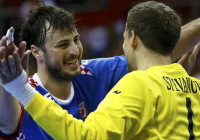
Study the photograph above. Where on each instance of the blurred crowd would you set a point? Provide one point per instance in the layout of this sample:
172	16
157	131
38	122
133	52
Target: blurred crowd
99	22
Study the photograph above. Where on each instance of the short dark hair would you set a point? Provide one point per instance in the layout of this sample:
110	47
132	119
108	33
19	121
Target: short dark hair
34	28
156	24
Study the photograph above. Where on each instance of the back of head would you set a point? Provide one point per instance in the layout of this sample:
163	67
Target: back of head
34	28
156	24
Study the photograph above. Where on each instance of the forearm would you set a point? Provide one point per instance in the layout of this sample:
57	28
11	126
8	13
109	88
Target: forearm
190	36
57	122
10	112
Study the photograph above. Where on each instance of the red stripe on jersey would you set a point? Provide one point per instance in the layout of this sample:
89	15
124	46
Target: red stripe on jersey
17	135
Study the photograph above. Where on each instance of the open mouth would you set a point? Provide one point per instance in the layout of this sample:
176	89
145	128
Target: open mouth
71	62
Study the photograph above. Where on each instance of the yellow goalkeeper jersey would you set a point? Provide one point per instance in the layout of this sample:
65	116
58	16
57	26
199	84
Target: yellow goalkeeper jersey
161	103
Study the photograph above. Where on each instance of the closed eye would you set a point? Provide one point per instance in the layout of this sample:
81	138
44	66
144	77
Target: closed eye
64	45
76	39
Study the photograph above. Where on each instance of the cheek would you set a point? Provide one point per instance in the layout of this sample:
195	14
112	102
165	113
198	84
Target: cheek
125	47
57	56
80	48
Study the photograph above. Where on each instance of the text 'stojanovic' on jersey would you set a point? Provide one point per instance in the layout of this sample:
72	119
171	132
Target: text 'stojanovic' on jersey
161	103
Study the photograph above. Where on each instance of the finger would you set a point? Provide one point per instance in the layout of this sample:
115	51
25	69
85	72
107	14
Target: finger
10	34
189	59
5	68
26	60
3	41
2	77
10	42
12	65
184	58
21	49
195	52
17	62
2	51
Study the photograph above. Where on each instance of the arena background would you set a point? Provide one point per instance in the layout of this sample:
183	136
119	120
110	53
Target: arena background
100	22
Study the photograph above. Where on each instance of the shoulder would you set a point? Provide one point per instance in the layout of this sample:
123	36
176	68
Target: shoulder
133	80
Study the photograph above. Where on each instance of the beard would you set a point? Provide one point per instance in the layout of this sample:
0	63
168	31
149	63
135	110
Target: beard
57	73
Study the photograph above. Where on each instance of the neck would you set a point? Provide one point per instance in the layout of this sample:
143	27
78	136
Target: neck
58	89
149	60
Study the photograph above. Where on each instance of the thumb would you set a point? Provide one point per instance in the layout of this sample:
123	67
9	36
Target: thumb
25	60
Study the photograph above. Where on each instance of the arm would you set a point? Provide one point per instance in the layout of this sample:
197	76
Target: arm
118	117
10	110
190	36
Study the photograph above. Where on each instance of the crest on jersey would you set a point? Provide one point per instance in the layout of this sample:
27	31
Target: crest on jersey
82	110
21	136
32	82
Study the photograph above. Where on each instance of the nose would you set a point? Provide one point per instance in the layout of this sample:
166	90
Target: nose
73	49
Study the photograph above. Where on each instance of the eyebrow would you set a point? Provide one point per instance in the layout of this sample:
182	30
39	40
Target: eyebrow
67	40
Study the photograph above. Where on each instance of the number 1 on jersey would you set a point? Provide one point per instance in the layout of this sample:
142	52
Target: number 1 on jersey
190	114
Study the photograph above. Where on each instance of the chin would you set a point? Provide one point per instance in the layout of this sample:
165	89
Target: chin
64	76
130	69
74	73
77	73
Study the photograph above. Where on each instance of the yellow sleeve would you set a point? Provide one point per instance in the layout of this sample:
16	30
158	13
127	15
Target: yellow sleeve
121	115
125	112
56	121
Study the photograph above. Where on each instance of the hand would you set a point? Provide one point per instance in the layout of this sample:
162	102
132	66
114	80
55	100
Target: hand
10	69
14	79
189	59
9	47
7	41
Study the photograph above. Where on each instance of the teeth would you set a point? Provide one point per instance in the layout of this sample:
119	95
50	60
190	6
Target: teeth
72	62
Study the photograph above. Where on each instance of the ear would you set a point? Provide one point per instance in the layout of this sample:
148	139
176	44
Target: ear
134	40
37	53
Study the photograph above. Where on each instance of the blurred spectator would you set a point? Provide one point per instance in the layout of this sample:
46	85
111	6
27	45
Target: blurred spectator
27	5
98	40
101	24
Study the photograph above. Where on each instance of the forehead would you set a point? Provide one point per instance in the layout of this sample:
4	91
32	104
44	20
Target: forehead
56	34
53	33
